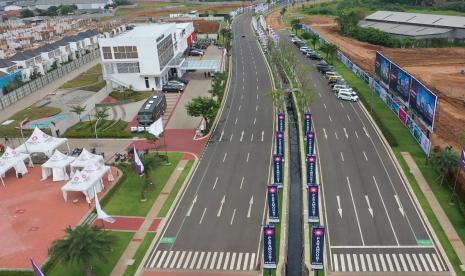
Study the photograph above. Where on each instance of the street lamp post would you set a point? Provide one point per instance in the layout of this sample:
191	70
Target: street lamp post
96	137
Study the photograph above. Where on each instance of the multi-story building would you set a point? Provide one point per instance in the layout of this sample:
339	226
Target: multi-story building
144	57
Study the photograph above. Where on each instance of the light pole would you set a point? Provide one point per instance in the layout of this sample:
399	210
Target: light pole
96	137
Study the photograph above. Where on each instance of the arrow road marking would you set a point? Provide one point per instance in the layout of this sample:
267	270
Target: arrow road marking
339	209
324	105
242	136
366	132
250	207
221	136
192	206
335	134
326	136
369	206
263	133
242	182
203	214
345	133
342	157
401	209
214	185
224	158
221	206
330	118
232	218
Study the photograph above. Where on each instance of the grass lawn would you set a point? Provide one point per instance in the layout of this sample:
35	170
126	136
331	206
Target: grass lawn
169	201
88	78
130	95
125	199
105	129
94	87
144	246
151	7
32	113
100	267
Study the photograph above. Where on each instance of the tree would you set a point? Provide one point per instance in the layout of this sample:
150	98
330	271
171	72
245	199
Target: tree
283	11
25	13
314	39
204	107
52	11
445	162
332	51
102	113
66	9
78	110
83	245
349	18
306	35
277	97
295	23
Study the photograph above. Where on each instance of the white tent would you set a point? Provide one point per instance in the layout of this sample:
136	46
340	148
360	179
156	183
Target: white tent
56	165
86	158
87	181
41	142
13	159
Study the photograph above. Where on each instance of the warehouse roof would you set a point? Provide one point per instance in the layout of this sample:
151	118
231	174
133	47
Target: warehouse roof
69	2
433	20
403	29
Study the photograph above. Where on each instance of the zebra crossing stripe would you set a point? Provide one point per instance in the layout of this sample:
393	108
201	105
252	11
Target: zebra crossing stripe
181	259
207	259
220	258
375	260
402	261
349	262
396	263
233	259
423	262
388	258
162	258
199	263
355	262
438	264
409	261
362	260
370	266
239	261
252	262
226	260
343	264
246	261
173	262
168	259
193	260
152	263
383	263
433	268
417	263
188	257
336	263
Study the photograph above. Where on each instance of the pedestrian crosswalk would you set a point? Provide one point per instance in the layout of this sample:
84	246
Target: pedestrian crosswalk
386	262
201	260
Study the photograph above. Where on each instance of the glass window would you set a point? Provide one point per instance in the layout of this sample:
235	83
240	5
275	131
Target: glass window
109	68
125	52
106	52
127	67
165	51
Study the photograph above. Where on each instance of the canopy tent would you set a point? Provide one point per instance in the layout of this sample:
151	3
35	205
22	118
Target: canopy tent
87	181
13	159
56	166
86	158
42	143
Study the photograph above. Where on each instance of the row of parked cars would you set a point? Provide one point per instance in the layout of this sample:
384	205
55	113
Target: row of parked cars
304	49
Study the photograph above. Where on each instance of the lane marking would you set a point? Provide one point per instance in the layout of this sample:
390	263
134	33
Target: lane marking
401	209
256	108
324	106
342	157
369	205
242	136
257	96
230	138
339	209
319	94
251	138
247	159
242	96
221	206
214	185
224	158
235	122
203	214
366	132
263	133
326	136
356	134
385	209
335	134
232	218
364	154
330	119
355	209
249	212
254	120
242	182
221	136
348	117
191	207
240	107
345	133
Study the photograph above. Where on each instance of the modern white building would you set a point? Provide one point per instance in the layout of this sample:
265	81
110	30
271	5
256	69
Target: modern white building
142	58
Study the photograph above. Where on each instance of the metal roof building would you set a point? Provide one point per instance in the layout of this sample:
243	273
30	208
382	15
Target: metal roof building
416	25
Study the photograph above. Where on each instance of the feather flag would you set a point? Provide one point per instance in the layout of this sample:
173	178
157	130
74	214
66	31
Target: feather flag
138	163
36	269
100	213
156	128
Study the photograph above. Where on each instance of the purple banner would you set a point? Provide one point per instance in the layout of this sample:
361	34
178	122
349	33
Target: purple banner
278	169
269	246
281	122
313	206
462	160
273	203
307	122
311	169
280	143
310	143
318	244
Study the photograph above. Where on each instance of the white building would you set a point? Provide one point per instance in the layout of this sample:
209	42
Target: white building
81	4
144	57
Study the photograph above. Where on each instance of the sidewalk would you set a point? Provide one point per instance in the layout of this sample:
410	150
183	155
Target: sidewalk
149	220
449	229
49	88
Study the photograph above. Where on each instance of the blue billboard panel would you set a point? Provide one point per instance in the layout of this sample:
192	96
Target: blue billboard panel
278	170
311	169
280	143
423	102
313	206
310	143
318	243
382	68
273	203
307	122
281	122
399	82
269	246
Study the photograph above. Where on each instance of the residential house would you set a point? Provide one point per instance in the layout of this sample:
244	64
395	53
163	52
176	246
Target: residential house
8	72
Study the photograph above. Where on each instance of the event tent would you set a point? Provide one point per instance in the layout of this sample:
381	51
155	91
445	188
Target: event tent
86	158
13	159
40	142
87	181
56	166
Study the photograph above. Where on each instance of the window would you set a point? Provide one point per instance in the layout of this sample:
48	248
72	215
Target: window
107	53
128	67
109	68
165	51
125	52
147	85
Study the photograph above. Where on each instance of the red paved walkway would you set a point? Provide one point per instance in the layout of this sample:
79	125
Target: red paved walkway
180	140
122	223
109	99
33	214
154	226
189	273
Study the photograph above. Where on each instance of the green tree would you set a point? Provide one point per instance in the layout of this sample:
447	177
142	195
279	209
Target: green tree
349	18
277	97
52	11
332	51
445	162
306	35
83	245
25	13
205	107
295	24
78	110
314	39
66	9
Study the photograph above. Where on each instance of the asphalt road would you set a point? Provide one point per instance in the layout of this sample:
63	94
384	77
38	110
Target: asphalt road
372	221
217	223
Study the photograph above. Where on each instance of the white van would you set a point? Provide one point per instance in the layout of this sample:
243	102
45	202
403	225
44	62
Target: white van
343	94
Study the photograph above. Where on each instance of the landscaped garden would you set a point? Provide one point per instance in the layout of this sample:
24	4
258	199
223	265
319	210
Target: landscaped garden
91	80
105	129
30	113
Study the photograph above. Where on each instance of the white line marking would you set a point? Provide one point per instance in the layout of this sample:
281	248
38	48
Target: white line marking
247	159
242	136
366	132
364	154
257	96
188	258
342	157
388	258
220	258
349	262
242	96
242	182
436	260
401	209
239	261
221	136
417	263
175	258
343	263
330	119
254	120
319	94
257	86
370	266
375	260
194	258
362	261
250	207
430	262
256	108
246	261
203	214
214	185
379	246
336	263
221	206
385	209
226	260
410	262
326	136
396	262
263	133
199	263
224	158
251	138
355	209
356	262
339	209
181	259
230	138
402	261
233	259
192	206
168	259
345	133
422	259
348	117
240	106
252	262
335	134
232	218
369	205
207	261
356	134
235	122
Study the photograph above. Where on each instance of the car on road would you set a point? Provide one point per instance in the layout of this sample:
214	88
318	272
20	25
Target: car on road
347	95
330	74
340	86
195	52
171	88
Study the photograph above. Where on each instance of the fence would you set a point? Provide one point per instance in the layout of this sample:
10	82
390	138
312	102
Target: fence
40	82
420	136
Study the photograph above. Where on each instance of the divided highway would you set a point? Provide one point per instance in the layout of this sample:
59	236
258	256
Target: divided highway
217	223
372	221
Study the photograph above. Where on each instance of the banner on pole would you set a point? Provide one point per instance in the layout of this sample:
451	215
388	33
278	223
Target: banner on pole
280	143
281	122
313	206
273	203
318	241
310	143
311	169
307	122
278	170
269	246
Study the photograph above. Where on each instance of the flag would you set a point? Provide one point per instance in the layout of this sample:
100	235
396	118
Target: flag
462	160
100	213
156	128
37	271
138	163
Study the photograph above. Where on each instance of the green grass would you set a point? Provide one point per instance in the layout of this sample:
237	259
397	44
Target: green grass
171	197
86	79
153	7
143	247
125	200
100	267
86	129
32	113
16	273
130	95
94	87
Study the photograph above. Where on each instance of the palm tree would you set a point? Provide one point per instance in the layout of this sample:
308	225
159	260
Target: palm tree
83	245
295	24
277	97
102	113
314	39
332	51
78	110
445	162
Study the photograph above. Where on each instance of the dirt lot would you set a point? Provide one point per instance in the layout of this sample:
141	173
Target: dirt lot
439	69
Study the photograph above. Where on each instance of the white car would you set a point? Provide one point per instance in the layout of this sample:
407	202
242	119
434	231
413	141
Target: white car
340	86
304	49
175	82
347	95
294	40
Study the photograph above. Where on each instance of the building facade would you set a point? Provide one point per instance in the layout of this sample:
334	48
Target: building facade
143	57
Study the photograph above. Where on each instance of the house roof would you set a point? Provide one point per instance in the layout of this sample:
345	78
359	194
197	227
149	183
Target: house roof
6	63
69	2
404	29
24	55
432	20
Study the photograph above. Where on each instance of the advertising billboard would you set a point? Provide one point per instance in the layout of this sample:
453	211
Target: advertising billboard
313	206
273	203
399	83
269	246
423	102
318	244
382	68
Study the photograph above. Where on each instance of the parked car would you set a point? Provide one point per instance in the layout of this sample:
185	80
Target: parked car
172	88
304	49
347	95
175	82
314	56
183	80
195	52
295	39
